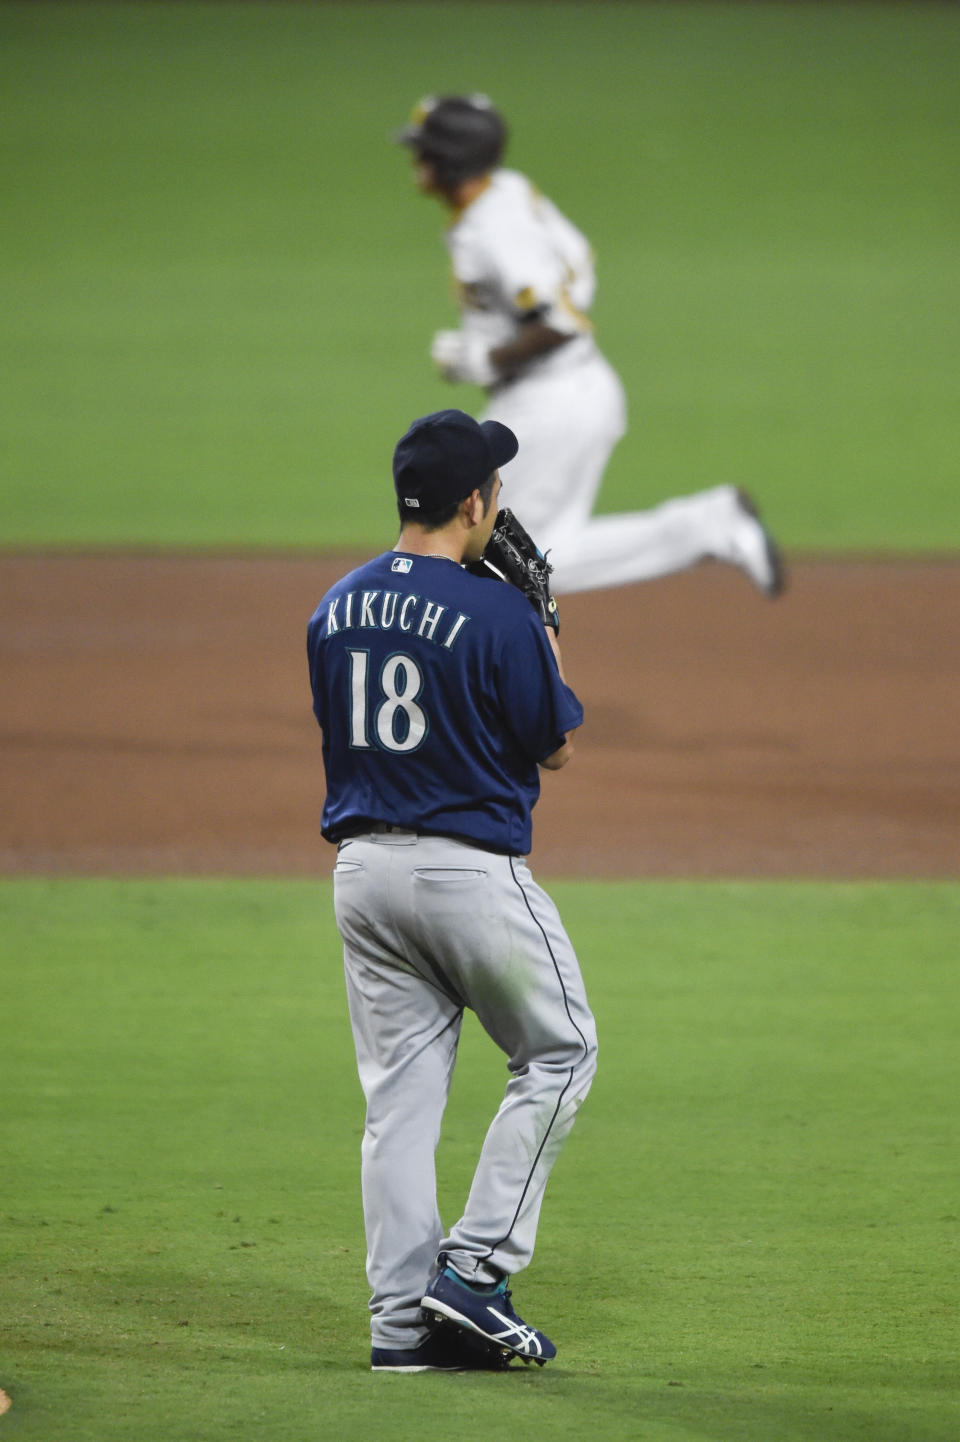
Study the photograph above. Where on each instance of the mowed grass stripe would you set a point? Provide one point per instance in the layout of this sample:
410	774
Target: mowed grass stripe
749	1235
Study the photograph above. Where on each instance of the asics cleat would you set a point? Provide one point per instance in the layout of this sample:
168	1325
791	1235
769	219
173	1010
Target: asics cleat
487	1312
445	1350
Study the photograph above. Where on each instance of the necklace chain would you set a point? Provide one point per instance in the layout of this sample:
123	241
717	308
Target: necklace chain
439	556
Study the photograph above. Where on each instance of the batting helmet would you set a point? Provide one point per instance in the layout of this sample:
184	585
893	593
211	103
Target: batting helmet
460	135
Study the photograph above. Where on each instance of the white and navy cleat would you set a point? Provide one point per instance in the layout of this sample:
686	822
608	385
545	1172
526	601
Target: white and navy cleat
486	1311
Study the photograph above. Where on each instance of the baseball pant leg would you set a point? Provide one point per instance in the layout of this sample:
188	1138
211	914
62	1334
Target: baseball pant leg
617	550
568	425
405	1032
501	943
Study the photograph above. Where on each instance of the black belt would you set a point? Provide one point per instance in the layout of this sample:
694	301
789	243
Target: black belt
380	828
377	828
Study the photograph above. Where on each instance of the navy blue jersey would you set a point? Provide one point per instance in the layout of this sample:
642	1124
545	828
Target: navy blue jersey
437	693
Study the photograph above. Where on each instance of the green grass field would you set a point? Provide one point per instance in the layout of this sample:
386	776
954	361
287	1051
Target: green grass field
219	290
751	1235
220	286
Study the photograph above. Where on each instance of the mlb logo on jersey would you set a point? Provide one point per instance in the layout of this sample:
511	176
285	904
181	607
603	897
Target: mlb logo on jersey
402	563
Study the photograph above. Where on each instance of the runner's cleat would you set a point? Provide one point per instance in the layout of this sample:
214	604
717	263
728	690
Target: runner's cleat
753	549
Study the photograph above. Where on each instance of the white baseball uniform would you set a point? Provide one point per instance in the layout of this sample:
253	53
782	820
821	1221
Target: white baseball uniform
515	258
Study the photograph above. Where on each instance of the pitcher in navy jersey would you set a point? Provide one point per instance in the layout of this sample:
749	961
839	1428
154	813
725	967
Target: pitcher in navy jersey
439	695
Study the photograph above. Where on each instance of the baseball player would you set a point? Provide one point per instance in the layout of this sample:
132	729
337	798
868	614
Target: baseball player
525	281
439	695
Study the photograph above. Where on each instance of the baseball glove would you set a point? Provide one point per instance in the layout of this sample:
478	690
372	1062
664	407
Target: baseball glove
512	555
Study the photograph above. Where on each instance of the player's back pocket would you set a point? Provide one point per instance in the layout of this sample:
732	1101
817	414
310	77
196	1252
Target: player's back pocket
448	875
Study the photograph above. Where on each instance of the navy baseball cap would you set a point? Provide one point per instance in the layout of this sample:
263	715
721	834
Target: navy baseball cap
447	455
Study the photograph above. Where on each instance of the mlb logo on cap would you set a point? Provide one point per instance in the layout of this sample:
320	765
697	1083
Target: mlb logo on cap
446	456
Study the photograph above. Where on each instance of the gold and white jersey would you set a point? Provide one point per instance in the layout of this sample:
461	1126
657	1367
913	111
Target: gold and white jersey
515	257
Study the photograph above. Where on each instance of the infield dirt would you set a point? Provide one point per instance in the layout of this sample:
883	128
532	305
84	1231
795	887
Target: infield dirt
156	720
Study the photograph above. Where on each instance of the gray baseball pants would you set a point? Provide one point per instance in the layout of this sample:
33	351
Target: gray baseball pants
431	926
